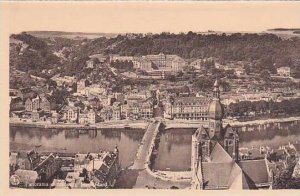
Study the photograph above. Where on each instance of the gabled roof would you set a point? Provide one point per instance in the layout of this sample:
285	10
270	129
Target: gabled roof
256	170
247	183
297	147
218	154
216	174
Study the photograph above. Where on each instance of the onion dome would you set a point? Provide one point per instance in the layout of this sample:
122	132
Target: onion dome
215	109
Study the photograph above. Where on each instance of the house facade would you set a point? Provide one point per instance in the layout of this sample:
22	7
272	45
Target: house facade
190	108
71	114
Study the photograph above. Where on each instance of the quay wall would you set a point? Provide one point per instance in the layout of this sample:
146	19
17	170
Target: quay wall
116	125
196	124
175	176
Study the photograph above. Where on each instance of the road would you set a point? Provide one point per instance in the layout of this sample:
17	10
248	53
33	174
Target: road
137	176
145	147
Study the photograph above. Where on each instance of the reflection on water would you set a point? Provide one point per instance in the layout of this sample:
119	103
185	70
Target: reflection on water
273	134
74	141
174	150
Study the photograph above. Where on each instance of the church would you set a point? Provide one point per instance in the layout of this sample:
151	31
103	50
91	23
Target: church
215	162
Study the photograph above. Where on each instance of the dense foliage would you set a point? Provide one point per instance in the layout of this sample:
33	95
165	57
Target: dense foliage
243	108
267	49
284	179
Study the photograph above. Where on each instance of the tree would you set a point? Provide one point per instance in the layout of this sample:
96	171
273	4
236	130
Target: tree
171	78
265	75
284	179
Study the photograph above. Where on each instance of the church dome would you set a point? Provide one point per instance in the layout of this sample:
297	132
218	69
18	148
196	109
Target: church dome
215	110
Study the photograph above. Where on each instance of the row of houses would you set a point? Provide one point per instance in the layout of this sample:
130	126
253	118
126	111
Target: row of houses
91	170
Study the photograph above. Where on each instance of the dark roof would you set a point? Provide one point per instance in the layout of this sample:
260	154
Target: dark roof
254	153
191	100
247	183
218	154
99	177
45	162
104	169
278	152
297	147
256	170
16	100
26	90
216	175
290	151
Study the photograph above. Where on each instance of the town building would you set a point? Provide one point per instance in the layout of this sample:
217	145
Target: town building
16	104
139	108
197	64
116	111
91	63
32	104
66	80
70	114
26	93
38	116
284	71
190	108
116	57
81	86
48	167
87	117
47	103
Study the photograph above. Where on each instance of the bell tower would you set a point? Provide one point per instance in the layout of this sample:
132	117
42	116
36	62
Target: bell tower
215	113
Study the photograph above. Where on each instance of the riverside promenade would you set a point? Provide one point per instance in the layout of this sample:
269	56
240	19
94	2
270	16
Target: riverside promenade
118	124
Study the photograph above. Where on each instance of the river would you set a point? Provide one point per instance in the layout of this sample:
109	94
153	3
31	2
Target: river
77	141
174	152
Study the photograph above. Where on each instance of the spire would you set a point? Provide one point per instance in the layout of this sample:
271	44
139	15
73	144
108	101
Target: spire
216	84
216	91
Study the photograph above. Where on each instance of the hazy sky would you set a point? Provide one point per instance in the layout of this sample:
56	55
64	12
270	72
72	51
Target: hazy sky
123	17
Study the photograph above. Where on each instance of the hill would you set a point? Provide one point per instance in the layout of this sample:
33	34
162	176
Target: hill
70	35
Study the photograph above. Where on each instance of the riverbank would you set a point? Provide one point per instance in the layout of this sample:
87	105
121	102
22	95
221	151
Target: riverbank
142	124
104	125
196	124
262	122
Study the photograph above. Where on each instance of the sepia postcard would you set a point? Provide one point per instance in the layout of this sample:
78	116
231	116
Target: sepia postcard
183	97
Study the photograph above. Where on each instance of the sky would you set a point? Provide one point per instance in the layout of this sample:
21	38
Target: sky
137	17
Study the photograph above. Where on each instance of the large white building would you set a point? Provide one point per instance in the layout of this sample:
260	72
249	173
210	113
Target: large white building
284	71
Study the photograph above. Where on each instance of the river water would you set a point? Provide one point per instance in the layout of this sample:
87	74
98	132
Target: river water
174	152
75	141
